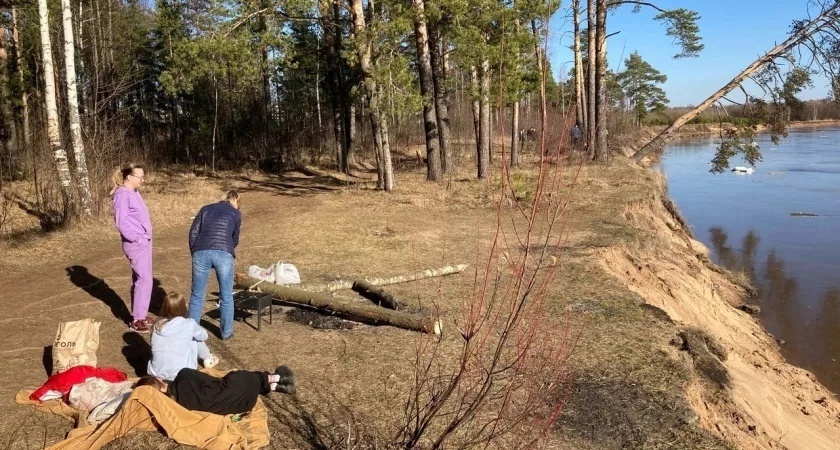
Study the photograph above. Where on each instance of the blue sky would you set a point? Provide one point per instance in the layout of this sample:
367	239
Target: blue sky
735	33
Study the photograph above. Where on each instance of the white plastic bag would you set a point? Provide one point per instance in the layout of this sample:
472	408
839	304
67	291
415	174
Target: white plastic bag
285	273
261	274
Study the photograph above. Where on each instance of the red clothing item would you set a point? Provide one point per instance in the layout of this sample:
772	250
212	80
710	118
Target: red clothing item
64	381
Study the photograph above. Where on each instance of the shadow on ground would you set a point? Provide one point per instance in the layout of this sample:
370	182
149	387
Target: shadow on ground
99	289
296	186
137	352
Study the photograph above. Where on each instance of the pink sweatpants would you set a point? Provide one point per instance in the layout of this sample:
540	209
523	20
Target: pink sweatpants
140	257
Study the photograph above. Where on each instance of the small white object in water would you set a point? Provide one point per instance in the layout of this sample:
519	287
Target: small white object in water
743	169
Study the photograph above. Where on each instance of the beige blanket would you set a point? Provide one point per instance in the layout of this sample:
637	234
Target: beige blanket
147	409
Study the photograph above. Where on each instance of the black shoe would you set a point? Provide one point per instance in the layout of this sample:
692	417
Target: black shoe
286	384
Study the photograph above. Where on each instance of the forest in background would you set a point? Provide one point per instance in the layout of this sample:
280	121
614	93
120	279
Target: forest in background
87	85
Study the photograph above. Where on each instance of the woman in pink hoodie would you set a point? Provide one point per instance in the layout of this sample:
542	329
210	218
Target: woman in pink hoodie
131	217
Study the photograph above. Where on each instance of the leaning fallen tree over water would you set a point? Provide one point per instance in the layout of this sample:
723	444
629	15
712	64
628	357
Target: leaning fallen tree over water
358	311
805	32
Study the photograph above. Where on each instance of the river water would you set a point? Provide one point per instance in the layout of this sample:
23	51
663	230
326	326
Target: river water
751	224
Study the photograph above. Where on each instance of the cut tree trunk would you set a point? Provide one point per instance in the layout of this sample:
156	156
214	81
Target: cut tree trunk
360	312
376	294
345	284
827	19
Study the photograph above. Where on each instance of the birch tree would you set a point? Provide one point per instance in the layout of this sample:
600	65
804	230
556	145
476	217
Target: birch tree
82	177
53	132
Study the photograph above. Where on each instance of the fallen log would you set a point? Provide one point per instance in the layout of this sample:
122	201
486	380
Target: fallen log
376	294
338	285
360	312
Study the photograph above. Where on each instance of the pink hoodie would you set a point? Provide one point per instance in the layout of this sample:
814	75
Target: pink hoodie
131	216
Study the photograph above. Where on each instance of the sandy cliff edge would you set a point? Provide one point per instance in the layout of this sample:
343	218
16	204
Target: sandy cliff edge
770	404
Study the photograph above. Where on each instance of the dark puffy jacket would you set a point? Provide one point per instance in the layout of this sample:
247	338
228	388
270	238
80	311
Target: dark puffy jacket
216	227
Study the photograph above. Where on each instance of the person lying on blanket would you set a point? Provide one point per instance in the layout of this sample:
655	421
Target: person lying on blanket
235	393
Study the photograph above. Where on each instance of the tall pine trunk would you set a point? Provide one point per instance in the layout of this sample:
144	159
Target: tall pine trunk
484	119
424	67
24	103
436	51
476	109
53	132
328	26
343	92
601	83
581	112
82	177
363	49
387	163
590	69
8	117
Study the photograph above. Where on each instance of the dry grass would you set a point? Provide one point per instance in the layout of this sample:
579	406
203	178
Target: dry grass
173	198
353	383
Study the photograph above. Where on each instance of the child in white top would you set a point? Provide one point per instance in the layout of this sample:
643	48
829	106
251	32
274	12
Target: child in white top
177	341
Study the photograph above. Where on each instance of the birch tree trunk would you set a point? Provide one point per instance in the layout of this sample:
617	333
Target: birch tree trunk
53	133
441	107
484	119
82	177
424	67
590	68
580	97
601	83
827	19
514	119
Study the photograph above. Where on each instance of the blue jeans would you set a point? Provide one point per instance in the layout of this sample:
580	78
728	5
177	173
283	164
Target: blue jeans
222	262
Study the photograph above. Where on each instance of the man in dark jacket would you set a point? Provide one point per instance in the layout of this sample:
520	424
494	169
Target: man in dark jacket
214	235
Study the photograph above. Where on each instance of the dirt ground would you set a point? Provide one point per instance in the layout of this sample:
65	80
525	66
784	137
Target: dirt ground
631	384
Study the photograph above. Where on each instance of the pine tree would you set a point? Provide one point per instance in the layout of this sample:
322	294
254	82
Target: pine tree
639	81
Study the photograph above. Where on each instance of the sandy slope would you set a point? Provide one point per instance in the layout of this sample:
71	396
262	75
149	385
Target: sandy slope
771	404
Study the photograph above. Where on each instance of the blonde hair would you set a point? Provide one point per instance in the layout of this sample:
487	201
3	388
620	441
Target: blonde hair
174	305
121	174
231	197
